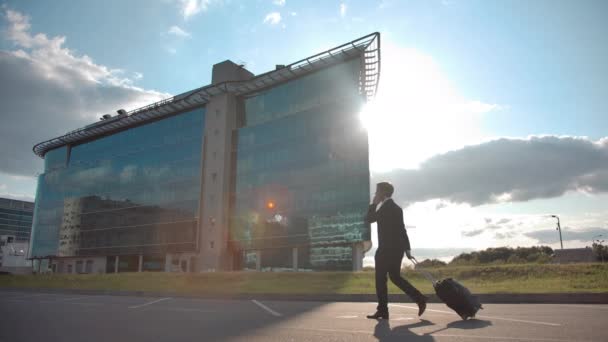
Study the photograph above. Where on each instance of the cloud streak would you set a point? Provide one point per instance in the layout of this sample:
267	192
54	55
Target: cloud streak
343	9
190	8
272	18
584	234
178	32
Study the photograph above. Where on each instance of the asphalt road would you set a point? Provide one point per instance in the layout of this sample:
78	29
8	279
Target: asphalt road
29	316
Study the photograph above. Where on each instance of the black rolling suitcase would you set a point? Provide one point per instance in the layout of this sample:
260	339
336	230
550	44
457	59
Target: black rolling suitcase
454	295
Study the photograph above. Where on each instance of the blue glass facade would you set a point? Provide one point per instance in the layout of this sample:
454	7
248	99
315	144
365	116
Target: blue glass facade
16	218
132	192
283	174
302	175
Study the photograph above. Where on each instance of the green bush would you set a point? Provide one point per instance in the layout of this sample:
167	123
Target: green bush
505	255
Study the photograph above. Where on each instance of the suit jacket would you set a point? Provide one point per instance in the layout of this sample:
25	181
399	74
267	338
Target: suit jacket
392	236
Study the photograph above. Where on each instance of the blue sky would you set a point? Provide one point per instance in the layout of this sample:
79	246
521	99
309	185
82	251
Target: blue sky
505	69
544	59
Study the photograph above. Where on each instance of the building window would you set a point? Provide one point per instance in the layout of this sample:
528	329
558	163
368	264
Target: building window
89	266
79	266
214	176
70	268
211	244
217	113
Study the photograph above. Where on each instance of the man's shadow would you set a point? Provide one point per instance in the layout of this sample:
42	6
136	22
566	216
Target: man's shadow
383	331
469	324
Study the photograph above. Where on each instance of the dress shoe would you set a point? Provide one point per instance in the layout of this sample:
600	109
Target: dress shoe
378	315
422	305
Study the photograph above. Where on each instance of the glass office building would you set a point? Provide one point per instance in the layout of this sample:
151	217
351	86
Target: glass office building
303	152
250	172
16	219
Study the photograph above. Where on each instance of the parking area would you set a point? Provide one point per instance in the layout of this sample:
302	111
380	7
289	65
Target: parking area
30	316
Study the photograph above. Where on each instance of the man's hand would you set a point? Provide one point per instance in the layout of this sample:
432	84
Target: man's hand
376	199
408	253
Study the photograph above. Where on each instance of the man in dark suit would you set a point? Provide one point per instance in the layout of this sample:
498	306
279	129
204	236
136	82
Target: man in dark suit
392	243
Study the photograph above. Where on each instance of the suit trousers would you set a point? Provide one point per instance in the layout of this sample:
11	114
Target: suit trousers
390	262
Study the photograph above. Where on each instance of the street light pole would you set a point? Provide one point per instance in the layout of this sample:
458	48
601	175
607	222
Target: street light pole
559	228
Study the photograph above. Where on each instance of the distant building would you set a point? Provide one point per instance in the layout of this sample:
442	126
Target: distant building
13	255
16	219
573	255
263	172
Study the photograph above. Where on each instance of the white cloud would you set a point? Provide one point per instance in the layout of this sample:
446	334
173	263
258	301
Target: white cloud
272	18
279	2
343	9
189	8
48	90
507	170
19	197
178	32
464	226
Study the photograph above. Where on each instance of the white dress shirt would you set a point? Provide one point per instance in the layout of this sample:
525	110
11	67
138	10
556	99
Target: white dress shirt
379	205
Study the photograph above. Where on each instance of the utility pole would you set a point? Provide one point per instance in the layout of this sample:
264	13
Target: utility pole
559	228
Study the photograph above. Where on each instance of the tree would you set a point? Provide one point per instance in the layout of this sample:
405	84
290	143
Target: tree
600	251
431	263
500	255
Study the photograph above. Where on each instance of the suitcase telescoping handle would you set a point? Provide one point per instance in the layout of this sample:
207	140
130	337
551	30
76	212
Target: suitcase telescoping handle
424	272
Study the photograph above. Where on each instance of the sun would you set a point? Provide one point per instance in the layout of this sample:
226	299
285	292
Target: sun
417	112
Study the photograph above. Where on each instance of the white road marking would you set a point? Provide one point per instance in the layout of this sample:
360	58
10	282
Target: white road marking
90	304
29	296
347	316
489	317
269	310
416	308
148	303
520	321
191	310
10	292
72	298
588	306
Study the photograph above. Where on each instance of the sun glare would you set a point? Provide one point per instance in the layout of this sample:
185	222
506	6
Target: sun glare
417	112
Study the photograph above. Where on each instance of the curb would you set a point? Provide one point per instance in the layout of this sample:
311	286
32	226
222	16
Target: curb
493	298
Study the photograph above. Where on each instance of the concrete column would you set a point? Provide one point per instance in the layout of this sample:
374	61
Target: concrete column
358	255
140	263
217	183
258	260
168	263
294	258
116	264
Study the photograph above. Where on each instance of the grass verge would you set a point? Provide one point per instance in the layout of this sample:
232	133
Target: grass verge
590	278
